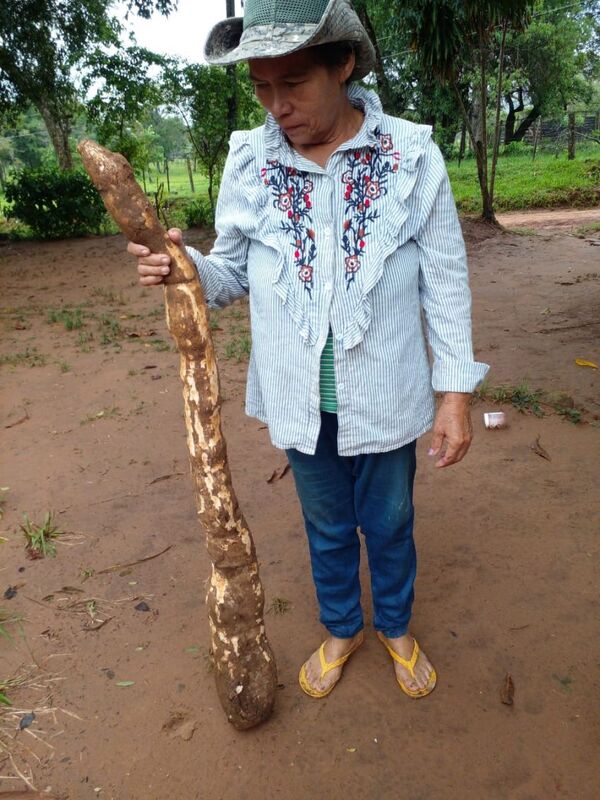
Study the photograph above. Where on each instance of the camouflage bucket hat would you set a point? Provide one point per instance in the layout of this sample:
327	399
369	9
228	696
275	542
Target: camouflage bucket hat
271	28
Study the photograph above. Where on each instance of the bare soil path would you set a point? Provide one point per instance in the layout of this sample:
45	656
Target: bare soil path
509	547
549	218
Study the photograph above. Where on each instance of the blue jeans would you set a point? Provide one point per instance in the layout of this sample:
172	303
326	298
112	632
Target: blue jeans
339	494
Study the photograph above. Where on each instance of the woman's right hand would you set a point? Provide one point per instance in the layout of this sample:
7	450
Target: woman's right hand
153	267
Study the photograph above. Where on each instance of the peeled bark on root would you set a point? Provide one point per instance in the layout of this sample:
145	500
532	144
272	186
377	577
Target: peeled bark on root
245	669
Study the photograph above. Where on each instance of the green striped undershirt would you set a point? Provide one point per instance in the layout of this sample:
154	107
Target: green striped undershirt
327	378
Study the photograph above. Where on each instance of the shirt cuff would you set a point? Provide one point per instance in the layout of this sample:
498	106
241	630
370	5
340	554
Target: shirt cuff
458	376
209	279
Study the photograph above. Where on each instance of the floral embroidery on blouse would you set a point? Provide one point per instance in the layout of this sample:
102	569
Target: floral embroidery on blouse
365	181
291	190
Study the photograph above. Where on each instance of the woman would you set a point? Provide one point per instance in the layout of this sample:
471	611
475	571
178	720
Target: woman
339	222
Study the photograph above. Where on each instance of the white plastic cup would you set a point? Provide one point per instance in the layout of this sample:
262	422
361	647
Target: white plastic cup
494	419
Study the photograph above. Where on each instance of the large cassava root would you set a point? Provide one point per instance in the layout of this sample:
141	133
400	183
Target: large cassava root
245	669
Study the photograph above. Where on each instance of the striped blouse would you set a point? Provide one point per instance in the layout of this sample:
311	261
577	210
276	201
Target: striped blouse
361	247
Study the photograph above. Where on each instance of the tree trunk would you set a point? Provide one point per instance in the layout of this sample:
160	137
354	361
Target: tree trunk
537	135
167	175
463	143
509	128
496	148
526	124
232	76
481	146
487	213
211	178
245	670
190	174
58	130
383	85
571	143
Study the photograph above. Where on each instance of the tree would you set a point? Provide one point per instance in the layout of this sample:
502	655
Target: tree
202	96
454	39
551	64
42	45
125	96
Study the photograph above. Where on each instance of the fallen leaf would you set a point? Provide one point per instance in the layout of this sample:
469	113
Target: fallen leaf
124	683
164	477
539	450
507	691
26	721
19	421
279	473
137	334
581	362
351	749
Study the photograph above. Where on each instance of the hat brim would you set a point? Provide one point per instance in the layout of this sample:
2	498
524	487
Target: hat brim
229	43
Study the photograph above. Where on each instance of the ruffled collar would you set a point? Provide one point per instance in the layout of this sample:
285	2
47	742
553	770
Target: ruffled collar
277	146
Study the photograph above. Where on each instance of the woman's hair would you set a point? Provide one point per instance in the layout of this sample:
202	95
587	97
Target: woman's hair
333	55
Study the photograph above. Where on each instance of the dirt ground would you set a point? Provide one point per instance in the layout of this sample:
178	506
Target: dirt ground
508	541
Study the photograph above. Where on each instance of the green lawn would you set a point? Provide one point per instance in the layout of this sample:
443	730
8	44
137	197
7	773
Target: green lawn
179	180
522	183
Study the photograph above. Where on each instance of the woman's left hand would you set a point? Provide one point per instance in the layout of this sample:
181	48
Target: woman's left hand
452	429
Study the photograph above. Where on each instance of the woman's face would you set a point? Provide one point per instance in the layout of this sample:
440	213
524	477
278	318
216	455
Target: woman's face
304	97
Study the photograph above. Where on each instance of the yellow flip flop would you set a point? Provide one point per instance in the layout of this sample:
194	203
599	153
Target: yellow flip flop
325	668
410	666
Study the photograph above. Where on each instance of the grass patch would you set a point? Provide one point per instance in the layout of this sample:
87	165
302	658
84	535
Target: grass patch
110	330
28	358
84	341
40	538
64	366
523	231
279	605
71	318
547	182
527	400
572	414
521	397
3	491
160	345
7	618
110	296
584	230
239	347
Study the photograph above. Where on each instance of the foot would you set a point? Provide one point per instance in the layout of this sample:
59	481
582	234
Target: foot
334	648
403	646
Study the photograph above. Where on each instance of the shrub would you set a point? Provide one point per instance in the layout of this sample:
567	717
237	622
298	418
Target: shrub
55	204
198	214
517	149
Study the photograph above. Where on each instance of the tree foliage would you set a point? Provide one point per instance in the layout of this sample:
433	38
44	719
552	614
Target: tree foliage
202	96
549	65
55	203
42	45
